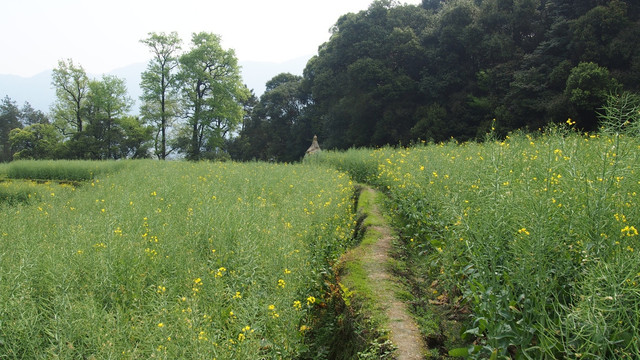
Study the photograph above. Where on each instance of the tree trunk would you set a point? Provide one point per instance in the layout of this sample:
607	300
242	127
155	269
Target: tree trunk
78	117
195	146
163	116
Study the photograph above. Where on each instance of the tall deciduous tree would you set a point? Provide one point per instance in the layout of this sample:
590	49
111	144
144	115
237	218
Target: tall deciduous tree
212	93
108	102
159	86
72	85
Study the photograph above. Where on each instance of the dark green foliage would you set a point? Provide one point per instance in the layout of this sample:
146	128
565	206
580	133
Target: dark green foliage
398	73
9	120
12	120
365	82
276	129
587	89
395	74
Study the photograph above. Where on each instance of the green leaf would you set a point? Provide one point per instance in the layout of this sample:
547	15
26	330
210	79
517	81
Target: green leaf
459	352
473	331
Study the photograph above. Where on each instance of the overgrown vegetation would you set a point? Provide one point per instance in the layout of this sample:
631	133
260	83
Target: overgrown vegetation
171	260
536	235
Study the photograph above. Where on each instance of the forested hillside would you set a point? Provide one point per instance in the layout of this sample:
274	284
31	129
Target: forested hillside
391	74
395	74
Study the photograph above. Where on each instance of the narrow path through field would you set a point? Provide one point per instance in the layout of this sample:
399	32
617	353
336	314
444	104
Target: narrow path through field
404	332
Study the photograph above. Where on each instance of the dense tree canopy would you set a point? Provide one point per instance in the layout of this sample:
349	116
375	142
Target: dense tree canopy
395	74
391	74
92	117
275	130
37	141
14	119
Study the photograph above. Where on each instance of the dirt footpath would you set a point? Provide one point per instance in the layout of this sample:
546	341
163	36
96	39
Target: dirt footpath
403	331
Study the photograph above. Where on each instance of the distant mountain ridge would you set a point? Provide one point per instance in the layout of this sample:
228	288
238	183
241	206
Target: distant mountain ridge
37	90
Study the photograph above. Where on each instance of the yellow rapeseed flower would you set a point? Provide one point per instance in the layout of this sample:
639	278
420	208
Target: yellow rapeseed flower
311	300
629	231
523	231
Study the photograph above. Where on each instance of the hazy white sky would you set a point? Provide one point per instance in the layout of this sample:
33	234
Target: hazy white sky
104	35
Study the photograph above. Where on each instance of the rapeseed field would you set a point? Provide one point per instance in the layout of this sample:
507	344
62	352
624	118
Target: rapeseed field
171	260
536	236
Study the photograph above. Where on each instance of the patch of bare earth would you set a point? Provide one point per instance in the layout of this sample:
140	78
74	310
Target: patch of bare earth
404	332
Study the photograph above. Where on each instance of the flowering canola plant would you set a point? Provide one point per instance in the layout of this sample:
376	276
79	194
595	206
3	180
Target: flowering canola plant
538	234
171	260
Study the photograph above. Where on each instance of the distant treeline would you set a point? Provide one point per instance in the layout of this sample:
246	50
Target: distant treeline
398	73
191	100
391	74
